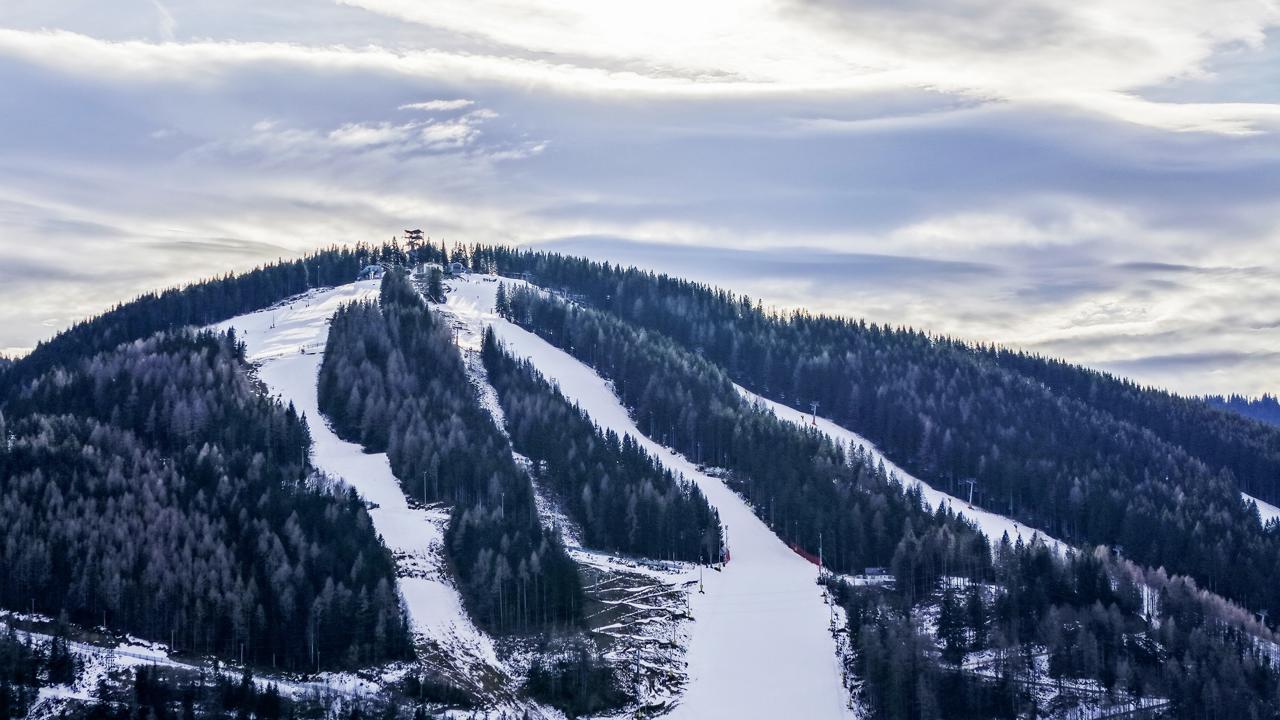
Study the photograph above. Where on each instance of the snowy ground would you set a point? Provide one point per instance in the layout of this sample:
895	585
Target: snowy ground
760	646
98	662
287	343
1063	697
637	609
1268	511
95	664
993	525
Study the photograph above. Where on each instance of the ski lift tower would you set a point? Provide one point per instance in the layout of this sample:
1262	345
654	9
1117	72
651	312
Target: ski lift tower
412	240
970	482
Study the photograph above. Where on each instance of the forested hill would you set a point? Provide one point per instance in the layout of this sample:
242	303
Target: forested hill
1081	465
154	489
147	482
1083	610
1223	440
793	356
1265	408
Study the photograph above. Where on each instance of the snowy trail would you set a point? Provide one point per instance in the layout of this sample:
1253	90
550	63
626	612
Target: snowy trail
643	631
288	342
991	524
760	645
1266	510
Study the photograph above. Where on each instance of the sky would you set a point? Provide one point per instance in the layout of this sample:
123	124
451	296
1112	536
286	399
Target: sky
1096	180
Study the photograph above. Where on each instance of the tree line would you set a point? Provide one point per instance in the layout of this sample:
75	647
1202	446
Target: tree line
620	497
153	489
393	381
1223	441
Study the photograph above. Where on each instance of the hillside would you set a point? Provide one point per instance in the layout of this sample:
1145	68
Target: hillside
593	492
1096	460
153	490
760	645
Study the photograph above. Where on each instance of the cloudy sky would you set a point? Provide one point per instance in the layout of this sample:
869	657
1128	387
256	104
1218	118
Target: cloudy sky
1098	179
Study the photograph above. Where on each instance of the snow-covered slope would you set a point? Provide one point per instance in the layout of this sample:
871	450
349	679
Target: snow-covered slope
642	602
760	645
1268	511
287	343
993	525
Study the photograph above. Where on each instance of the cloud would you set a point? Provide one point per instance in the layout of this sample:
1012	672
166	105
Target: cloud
1200	373
1086	59
370	143
1097	180
1096	55
438	105
797	264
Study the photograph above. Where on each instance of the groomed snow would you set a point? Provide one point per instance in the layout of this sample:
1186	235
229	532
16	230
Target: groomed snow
992	525
643	602
760	644
1266	510
288	342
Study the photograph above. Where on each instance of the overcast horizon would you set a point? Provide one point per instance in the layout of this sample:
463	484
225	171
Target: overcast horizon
1097	182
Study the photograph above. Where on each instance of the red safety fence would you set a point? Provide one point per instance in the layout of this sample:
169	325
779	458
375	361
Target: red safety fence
806	555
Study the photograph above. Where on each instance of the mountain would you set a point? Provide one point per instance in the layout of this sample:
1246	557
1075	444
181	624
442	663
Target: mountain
1080	454
584	490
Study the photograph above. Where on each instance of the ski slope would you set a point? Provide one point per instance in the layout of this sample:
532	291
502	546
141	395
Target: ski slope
1266	510
992	525
642	601
287	343
760	643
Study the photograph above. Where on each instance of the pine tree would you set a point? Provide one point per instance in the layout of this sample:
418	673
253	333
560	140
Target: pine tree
951	626
435	285
976	615
501	306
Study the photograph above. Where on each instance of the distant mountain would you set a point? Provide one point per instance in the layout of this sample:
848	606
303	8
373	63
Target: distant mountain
1265	408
